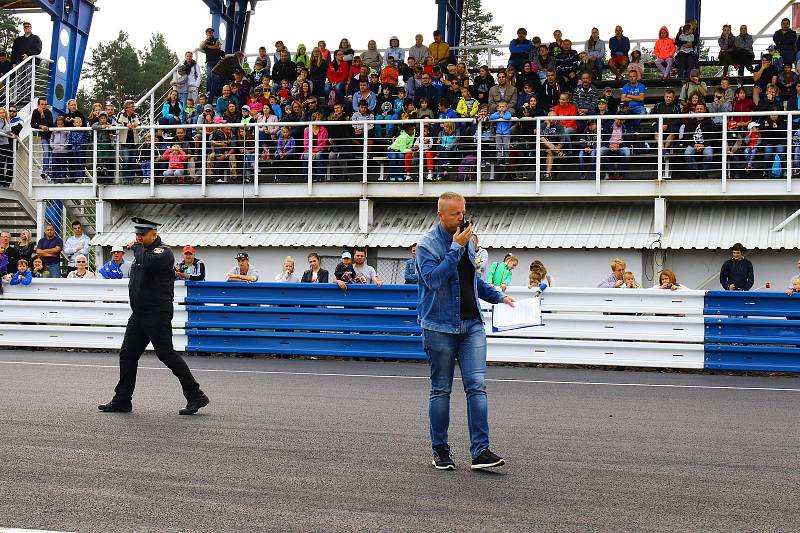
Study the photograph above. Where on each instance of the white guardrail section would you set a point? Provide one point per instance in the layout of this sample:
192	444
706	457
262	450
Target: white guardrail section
586	326
618	327
69	313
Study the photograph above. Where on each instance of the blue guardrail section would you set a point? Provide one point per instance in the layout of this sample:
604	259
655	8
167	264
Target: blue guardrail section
304	319
752	331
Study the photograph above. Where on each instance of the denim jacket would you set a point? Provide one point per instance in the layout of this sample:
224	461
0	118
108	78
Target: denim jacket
437	263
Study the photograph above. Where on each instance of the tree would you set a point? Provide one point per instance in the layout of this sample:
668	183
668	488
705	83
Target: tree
477	29
9	30
114	71
157	60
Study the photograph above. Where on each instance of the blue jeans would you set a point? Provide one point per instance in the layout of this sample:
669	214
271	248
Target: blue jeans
469	348
615	162
692	157
769	155
396	164
54	269
128	166
585	159
45	154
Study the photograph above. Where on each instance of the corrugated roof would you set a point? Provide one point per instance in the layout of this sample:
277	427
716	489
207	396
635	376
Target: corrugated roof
720	225
500	225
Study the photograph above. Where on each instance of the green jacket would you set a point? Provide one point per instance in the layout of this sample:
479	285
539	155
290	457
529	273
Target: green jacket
403	143
499	274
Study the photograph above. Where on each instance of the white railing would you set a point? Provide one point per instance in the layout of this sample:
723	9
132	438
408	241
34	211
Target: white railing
251	156
23	84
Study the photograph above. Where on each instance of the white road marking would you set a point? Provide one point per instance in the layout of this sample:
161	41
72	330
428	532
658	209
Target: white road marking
395	376
13	530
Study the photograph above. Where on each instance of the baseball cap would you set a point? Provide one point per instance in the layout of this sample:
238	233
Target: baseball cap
752	125
242	255
694	72
188	249
210	30
246	107
346	255
117	249
208	107
602	101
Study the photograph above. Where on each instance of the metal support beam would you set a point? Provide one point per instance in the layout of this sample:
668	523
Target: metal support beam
231	20
449	20
693	12
72	20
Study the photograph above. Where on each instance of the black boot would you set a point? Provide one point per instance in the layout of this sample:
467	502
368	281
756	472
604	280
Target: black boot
194	405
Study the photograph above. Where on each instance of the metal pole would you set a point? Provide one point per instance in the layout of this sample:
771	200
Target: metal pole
725	154
30	165
152	160
33	81
538	155
152	107
255	161
14	161
478	155
116	155
598	140
94	161
310	159
660	153
203	165
789	161
421	155
365	154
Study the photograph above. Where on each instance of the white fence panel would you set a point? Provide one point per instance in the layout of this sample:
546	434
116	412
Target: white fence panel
604	327
65	337
75	313
95	290
575	352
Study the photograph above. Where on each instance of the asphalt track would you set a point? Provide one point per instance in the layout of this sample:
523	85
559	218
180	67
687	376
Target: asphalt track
302	445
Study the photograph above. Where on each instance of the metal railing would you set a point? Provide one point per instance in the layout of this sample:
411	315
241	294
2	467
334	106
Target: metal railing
631	147
22	84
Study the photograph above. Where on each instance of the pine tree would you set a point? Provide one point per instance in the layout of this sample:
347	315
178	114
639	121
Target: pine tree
477	29
157	60
10	29
114	71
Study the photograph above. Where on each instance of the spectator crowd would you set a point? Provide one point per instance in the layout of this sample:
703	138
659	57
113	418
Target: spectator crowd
352	92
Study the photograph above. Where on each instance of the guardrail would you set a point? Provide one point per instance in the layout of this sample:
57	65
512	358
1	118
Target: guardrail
251	155
583	326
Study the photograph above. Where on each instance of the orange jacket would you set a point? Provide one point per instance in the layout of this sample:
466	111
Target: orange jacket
665	46
389	75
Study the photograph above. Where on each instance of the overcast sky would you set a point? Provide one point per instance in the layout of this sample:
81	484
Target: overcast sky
183	21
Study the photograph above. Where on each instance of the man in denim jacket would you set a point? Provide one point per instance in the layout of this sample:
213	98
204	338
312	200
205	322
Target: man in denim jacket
452	328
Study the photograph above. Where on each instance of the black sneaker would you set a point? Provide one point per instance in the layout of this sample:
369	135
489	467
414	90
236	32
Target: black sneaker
487	459
194	405
115	407
442	460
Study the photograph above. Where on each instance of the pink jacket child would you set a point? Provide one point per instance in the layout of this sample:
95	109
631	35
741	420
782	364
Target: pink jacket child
177	159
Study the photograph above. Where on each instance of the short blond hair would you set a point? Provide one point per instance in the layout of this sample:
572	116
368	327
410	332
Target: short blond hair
447	196
617	262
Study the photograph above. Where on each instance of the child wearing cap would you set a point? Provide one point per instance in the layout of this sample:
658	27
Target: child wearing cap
751	141
345	273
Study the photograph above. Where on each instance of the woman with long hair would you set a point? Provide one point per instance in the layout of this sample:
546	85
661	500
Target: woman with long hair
6	147
317	72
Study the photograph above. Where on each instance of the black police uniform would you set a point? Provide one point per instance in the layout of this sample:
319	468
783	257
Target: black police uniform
152	289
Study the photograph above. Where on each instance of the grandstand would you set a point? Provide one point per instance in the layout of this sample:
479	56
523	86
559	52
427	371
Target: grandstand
669	208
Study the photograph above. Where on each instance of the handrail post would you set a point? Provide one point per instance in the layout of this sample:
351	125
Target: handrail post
33	80
256	131
310	155
598	141
30	165
152	160
724	154
789	161
116	155
538	154
365	154
94	162
203	162
660	148
478	156
152	106
421	187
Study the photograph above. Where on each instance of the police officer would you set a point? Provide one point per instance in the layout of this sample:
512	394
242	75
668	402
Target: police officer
152	290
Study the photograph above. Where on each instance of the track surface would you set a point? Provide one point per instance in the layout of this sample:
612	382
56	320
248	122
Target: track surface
343	446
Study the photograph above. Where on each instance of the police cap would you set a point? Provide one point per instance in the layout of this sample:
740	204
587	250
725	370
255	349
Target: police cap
141	225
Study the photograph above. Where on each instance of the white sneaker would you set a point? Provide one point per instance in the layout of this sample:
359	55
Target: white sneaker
145	181
408	177
221	180
430	175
